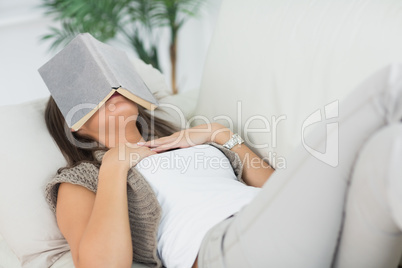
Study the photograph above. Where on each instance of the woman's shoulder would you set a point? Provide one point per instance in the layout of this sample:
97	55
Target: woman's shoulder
84	174
79	168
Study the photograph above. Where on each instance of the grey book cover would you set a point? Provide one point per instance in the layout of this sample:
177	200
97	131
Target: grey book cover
86	73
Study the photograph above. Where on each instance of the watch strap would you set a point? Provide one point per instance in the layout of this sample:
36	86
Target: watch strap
235	139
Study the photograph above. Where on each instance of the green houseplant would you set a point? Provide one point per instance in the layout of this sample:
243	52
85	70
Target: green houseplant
137	21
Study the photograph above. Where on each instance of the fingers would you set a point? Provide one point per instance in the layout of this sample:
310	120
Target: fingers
172	140
163	148
168	144
132	145
162	144
181	139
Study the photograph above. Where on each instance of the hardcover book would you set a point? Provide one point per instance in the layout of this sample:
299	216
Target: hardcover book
86	73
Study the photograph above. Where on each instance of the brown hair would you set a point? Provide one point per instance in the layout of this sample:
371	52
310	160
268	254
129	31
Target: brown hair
68	142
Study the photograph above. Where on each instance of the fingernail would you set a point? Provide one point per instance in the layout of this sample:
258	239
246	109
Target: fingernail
140	143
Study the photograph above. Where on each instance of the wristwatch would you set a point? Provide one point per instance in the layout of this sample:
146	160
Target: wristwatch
235	139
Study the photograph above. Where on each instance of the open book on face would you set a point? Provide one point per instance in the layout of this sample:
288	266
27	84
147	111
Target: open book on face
86	73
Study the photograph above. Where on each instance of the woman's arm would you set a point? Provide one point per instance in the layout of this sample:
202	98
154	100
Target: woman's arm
97	226
255	170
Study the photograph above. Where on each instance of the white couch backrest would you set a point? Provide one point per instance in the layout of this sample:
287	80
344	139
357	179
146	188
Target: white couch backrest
271	59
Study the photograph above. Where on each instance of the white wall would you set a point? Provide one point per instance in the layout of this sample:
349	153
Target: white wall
21	52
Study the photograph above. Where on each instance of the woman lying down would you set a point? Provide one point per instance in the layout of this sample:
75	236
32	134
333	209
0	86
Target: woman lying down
195	185
197	197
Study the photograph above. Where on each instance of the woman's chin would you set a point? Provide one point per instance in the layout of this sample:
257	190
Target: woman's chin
122	108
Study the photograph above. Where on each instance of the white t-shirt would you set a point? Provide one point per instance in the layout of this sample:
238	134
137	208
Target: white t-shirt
196	188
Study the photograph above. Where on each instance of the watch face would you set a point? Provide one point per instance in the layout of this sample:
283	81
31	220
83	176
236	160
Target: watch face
235	139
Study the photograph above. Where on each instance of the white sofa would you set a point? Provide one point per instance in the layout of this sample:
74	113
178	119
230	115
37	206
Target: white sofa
271	64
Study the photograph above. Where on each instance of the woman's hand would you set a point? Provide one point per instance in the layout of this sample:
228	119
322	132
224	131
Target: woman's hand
187	137
255	170
126	155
